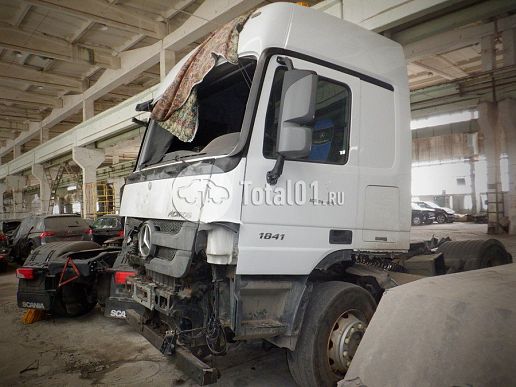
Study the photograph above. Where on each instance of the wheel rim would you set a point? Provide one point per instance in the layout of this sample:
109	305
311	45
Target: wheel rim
417	220
346	334
441	219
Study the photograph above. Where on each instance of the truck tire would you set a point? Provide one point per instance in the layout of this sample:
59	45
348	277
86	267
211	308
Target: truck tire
73	300
473	254
334	323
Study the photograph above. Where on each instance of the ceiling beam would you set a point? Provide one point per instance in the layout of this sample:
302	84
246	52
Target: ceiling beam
456	39
112	15
10	94
5	133
206	18
439	66
40	78
5	124
82	31
12	113
454	20
178	7
22	12
379	16
14	38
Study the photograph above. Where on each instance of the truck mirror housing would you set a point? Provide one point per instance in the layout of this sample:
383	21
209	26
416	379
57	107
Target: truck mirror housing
296	112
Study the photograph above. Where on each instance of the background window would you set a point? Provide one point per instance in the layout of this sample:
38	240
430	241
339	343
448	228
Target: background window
330	129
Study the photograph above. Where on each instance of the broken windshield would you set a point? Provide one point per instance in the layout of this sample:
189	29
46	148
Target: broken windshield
222	98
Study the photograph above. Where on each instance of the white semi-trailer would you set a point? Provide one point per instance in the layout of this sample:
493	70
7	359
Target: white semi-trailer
288	214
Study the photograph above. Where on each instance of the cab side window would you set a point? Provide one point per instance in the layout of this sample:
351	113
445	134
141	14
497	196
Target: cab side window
330	129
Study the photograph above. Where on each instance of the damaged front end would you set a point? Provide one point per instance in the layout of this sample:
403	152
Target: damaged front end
173	298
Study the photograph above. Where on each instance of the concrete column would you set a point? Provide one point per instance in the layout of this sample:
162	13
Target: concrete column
3	188
117	183
487	52
44	135
89	160
509	47
167	60
44	187
16	151
472	175
17	184
88	109
487	119
507	121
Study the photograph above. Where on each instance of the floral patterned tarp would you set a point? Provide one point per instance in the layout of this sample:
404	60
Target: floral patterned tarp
177	109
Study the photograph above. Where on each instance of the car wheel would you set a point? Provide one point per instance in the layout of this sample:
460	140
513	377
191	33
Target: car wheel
441	219
334	324
416	220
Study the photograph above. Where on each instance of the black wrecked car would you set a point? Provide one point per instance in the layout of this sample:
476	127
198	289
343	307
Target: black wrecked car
8	227
37	230
108	227
422	215
442	214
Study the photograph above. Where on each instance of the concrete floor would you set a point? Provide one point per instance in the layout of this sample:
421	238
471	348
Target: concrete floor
94	350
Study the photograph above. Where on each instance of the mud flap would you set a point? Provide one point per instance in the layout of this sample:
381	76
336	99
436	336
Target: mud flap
195	368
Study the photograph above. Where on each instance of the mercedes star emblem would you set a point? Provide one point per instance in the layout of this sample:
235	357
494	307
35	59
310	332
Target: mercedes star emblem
144	239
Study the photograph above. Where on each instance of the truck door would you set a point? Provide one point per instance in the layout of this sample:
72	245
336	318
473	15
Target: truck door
289	227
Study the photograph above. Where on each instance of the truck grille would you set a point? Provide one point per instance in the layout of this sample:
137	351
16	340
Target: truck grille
168	226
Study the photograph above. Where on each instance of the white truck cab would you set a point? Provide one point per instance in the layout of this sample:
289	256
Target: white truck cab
283	218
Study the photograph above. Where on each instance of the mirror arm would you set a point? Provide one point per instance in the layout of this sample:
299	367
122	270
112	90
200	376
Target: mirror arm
140	122
285	61
274	174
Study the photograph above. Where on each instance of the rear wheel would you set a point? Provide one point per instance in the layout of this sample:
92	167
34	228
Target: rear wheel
333	326
74	300
417	220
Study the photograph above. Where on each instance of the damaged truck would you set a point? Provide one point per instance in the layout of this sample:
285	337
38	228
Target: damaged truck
271	198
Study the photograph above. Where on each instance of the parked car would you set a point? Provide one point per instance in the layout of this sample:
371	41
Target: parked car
37	230
107	227
8	227
442	214
422	215
4	251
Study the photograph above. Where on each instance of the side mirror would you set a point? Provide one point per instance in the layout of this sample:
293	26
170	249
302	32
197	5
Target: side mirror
297	109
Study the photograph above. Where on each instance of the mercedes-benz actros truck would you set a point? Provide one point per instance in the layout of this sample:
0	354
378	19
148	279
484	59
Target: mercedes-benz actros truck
288	214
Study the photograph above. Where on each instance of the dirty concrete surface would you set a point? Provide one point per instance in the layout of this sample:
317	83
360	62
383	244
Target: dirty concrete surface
94	350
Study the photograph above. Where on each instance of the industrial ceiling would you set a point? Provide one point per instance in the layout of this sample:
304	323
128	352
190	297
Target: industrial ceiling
52	50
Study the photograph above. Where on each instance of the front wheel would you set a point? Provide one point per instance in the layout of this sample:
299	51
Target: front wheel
441	219
333	326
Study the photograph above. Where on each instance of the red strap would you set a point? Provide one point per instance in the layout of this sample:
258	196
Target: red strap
77	273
